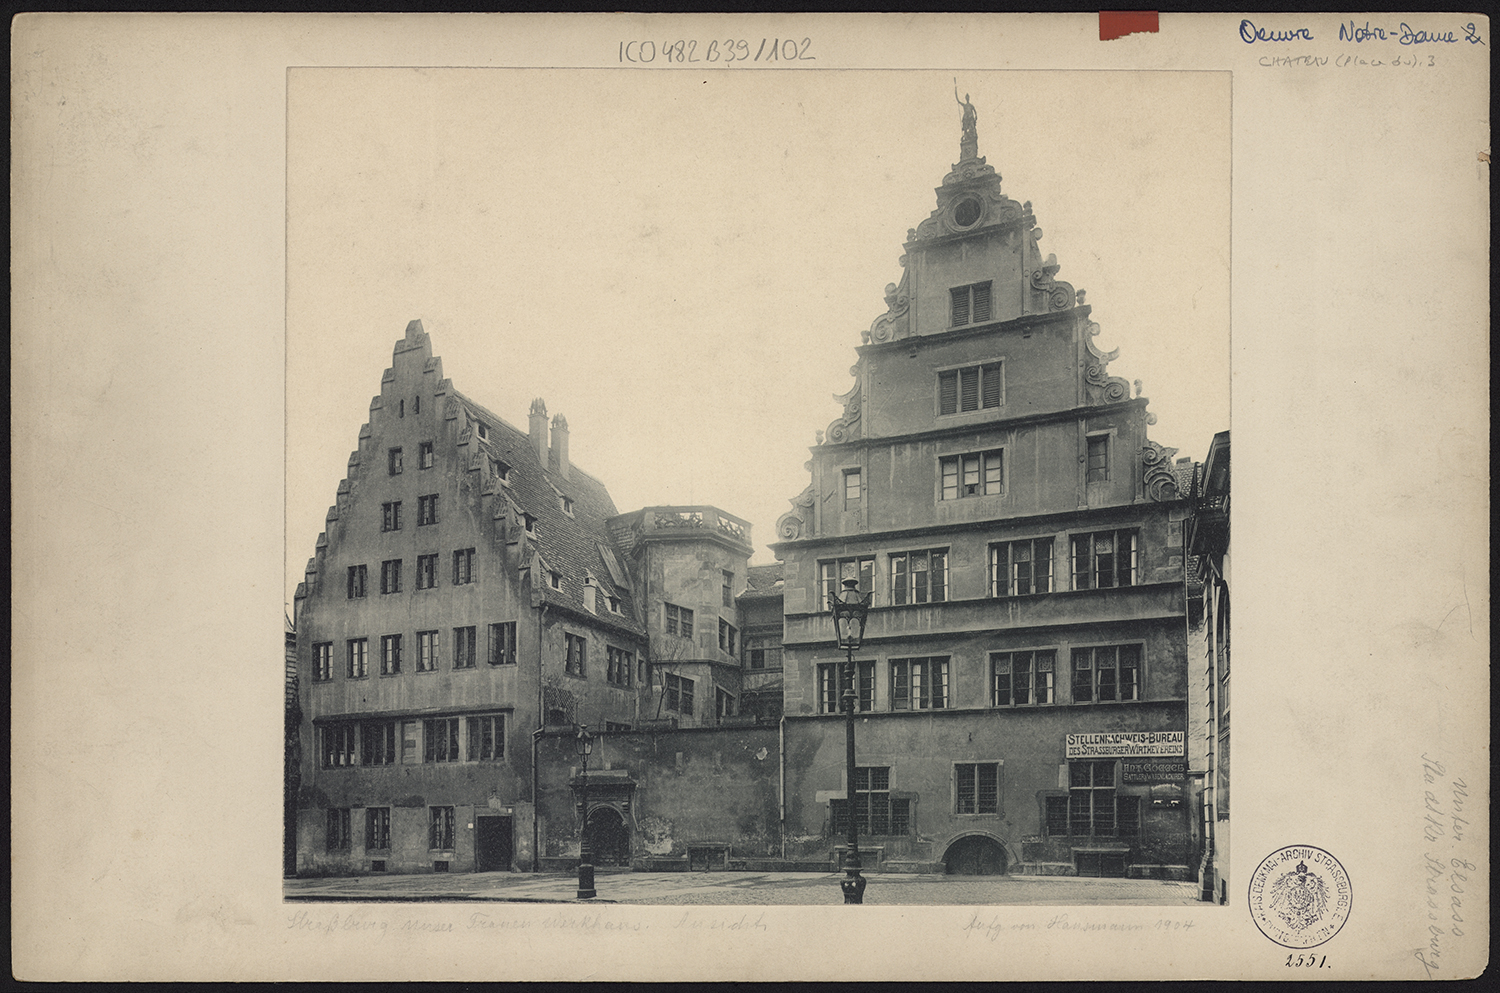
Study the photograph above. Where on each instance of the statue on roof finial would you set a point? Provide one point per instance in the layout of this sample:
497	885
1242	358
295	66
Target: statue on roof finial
968	143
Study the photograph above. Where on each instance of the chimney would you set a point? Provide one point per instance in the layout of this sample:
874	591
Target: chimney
559	459
537	428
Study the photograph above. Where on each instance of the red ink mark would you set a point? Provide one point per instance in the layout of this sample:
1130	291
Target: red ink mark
1118	23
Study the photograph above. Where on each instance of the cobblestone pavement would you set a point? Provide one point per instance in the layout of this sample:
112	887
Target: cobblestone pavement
747	888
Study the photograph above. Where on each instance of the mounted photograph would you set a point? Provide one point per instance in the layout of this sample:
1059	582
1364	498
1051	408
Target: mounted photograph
717	489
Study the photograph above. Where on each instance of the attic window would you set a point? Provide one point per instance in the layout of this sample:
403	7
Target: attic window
529	523
416	405
554	580
565	504
971	304
484	432
501	470
614	605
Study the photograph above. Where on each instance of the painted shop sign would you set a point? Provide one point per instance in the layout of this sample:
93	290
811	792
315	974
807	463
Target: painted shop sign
1126	744
1152	772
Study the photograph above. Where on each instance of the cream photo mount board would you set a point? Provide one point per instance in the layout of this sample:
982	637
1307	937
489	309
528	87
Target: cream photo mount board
161	308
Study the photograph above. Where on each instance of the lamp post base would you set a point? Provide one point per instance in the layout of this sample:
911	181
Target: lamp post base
854	887
586	881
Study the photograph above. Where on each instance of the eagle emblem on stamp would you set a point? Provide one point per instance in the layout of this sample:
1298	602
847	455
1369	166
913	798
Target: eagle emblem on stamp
1300	896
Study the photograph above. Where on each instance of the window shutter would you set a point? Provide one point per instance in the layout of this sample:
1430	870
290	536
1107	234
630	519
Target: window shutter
968	391
948	392
960	306
991	386
981	303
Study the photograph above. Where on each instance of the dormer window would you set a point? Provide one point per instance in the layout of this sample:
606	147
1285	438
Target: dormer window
529	523
614	605
501	470
483	431
970	304
565	504
554	580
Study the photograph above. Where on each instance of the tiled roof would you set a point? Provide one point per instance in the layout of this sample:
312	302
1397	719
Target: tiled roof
567	544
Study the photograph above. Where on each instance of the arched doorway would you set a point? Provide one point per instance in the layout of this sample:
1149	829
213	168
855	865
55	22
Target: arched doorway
975	855
609	838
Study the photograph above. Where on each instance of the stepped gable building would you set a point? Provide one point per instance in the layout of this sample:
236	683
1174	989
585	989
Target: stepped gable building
1023	678
466	590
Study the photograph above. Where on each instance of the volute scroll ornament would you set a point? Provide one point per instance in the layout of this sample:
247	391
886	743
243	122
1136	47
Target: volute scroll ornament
894	323
789	525
1161	481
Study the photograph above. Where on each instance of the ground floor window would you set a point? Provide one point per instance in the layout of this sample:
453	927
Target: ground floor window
440	831
378	828
976	788
876	811
440	738
1091	799
338	829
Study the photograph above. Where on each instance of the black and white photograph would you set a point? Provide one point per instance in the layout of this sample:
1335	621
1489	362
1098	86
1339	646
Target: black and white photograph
639	646
742	497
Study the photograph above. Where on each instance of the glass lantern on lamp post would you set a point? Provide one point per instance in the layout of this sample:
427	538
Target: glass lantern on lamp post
584	744
850	608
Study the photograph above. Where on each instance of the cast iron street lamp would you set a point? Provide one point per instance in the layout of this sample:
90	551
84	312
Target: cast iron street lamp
584	744
849	612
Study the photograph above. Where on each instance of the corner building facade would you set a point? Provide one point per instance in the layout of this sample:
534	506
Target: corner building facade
465	592
1022	683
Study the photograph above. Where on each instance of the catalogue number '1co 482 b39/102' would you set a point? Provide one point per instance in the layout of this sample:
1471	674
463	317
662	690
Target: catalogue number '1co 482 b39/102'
729	51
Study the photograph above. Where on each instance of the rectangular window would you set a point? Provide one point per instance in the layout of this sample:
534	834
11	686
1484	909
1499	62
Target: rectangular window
1021	568
619	666
503	643
463	567
831	575
728	588
1128	816
1056	816
393	461
853	488
358	576
976	475
1104	559
377	743
970	304
377	828
427	509
338	745
427	571
1098	458
390	576
390	654
323	662
359	658
679	693
919	577
763	652
440	829
831	685
679	620
465	647
977	387
427	651
723	703
486	738
1022	678
976	788
500	469
576	661
440	736
1105	673
727	633
876	812
919	684
338	829
424	455
1091	799
390	516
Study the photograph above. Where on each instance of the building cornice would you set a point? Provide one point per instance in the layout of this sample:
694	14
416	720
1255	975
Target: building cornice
1025	324
973	427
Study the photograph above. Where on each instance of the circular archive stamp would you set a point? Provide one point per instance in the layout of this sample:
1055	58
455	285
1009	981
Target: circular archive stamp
1300	896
